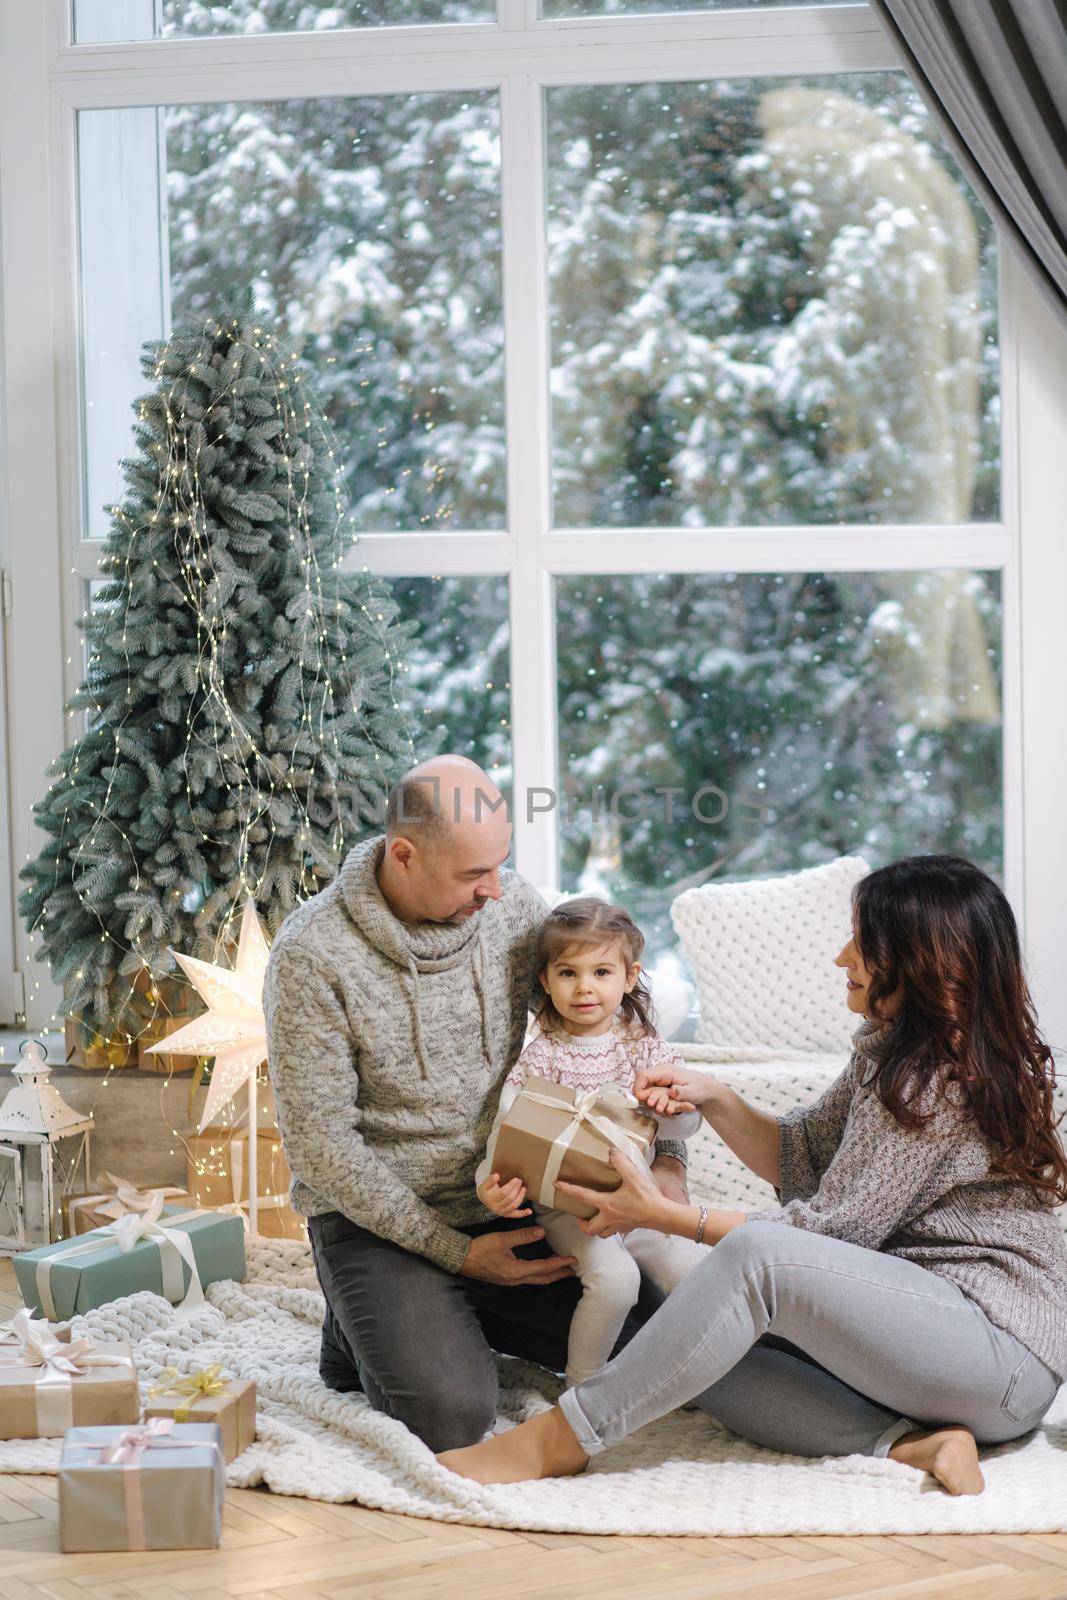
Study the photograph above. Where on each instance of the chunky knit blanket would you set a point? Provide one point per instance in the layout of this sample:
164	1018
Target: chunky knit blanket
679	1476
682	1475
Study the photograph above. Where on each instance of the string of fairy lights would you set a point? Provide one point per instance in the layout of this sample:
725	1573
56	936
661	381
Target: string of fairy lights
256	777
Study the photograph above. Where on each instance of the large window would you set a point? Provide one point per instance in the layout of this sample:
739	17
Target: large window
370	232
108	21
457	676
665	348
735	725
773	301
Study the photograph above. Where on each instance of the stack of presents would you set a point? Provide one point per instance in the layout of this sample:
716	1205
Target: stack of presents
139	1475
151	1477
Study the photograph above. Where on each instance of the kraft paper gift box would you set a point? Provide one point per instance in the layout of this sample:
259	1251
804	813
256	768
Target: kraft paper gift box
203	1395
11	1339
48	1386
158	1251
552	1132
217	1175
155	1487
117	1197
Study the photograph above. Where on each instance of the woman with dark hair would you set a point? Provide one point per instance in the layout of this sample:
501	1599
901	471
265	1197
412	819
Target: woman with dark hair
908	1296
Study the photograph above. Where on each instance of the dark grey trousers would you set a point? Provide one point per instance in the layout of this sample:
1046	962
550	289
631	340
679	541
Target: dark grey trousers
419	1341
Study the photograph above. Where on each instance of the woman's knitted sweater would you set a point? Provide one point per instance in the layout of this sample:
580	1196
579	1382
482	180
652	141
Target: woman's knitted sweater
848	1169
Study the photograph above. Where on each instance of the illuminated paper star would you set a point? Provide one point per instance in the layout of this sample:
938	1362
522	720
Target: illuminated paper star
233	1029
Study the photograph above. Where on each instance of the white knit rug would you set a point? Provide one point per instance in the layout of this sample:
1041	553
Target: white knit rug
679	1476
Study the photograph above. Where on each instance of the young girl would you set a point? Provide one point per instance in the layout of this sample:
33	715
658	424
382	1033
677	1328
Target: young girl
595	1030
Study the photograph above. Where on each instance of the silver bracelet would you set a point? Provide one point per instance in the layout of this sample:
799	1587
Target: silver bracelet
698	1237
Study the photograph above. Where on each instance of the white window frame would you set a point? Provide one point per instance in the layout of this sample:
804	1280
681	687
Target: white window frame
45	80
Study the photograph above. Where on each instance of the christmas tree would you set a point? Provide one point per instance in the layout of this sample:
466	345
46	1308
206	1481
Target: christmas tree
241	692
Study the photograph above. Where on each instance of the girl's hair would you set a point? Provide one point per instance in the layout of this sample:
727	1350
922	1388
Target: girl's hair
586	924
940	930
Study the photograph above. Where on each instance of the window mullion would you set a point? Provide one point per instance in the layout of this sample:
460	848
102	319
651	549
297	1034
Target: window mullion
762	549
533	676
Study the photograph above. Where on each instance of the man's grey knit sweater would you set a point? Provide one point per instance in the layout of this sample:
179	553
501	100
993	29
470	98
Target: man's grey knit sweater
848	1169
388	1043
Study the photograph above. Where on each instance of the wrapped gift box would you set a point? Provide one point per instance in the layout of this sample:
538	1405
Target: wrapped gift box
90	1271
88	1049
157	1487
205	1396
550	1126
82	1213
158	1030
40	1402
11	1344
217	1175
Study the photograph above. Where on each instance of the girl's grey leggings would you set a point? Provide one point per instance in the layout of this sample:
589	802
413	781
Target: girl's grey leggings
816	1347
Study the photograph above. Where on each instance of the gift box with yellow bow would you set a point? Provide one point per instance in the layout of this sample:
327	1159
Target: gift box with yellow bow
48	1385
116	1197
202	1394
552	1132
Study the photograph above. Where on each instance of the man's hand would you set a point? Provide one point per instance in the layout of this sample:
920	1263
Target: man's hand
492	1258
670	1179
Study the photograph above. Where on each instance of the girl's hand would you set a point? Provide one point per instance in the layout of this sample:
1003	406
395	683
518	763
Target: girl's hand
504	1199
637	1203
669	1090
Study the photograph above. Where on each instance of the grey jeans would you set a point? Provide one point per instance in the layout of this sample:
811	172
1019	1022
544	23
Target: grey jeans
816	1347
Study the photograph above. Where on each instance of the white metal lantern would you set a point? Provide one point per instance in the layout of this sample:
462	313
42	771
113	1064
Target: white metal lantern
35	1114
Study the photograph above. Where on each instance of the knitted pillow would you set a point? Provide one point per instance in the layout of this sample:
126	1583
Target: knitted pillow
762	953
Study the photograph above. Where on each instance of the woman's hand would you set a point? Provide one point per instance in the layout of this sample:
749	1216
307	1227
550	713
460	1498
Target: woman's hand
504	1199
637	1203
669	1090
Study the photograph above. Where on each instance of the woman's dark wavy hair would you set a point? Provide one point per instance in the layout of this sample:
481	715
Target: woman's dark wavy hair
587	923
939	929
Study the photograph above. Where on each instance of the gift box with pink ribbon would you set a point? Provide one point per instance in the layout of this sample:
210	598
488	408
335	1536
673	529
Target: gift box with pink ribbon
158	1486
48	1385
168	1250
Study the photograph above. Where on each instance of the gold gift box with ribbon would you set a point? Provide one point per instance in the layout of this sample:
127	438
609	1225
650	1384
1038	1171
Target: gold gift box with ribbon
118	1197
204	1395
551	1132
48	1385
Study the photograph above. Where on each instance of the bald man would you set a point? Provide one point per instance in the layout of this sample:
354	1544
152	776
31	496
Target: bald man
396	1003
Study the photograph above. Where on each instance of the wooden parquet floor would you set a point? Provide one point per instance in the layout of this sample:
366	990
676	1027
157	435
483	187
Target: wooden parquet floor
276	1548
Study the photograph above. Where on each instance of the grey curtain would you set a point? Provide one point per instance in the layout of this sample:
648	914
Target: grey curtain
994	74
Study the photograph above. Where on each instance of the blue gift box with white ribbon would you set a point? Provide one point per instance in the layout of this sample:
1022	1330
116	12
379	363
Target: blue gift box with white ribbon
169	1250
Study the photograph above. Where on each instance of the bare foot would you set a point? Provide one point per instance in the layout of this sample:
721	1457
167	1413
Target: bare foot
950	1454
544	1447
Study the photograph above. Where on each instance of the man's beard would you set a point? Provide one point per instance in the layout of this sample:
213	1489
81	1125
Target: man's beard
464	912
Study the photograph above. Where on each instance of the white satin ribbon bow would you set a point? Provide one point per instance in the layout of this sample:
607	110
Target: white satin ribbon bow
127	1197
174	1248
60	1362
582	1113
